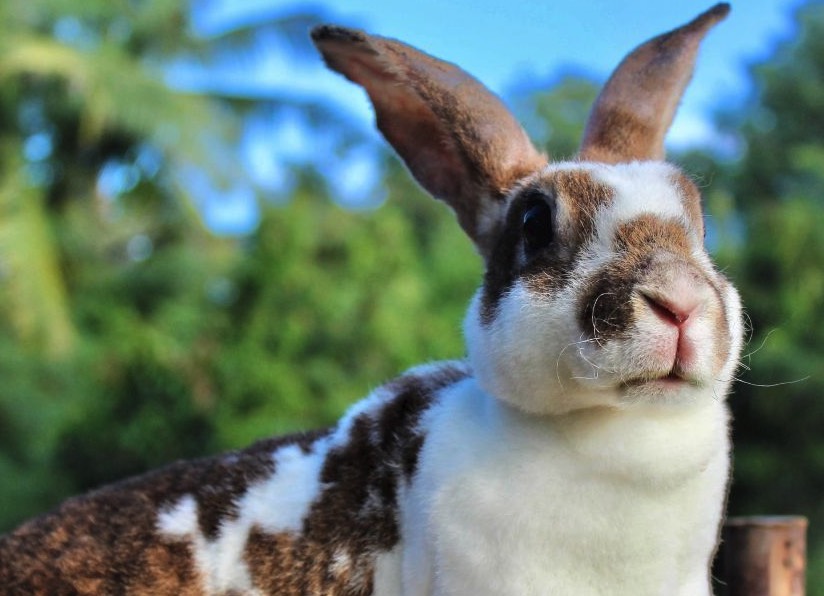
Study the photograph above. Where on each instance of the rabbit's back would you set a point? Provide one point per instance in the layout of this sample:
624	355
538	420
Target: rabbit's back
303	514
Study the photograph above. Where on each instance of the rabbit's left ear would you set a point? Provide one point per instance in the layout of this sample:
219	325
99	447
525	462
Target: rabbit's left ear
636	106
457	138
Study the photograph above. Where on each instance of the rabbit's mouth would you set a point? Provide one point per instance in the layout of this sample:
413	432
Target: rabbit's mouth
673	380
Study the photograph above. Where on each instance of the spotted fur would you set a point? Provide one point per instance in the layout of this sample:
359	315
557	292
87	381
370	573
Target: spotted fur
582	446
306	514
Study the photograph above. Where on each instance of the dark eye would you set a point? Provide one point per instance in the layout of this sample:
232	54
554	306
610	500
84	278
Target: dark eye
537	227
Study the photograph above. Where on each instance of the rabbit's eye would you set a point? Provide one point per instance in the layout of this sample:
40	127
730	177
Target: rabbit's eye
537	227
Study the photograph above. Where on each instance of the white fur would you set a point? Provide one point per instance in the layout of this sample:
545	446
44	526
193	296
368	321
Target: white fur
281	503
180	519
220	564
387	580
640	187
601	501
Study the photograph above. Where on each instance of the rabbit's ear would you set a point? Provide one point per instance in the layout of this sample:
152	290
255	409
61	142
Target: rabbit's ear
457	138
636	106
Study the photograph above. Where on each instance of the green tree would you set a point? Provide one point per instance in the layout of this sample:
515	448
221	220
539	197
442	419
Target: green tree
91	212
328	303
105	265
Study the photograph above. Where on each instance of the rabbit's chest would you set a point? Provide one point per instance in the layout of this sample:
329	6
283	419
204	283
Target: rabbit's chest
520	509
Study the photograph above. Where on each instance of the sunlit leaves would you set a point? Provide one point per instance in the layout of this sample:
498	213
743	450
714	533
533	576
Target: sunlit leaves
37	302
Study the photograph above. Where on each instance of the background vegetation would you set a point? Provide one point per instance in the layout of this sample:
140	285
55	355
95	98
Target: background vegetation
131	335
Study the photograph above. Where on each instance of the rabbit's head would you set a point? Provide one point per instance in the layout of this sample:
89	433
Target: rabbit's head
598	290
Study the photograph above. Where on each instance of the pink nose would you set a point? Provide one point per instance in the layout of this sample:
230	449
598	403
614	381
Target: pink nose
673	310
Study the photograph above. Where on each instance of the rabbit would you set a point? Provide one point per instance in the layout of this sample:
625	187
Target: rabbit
580	448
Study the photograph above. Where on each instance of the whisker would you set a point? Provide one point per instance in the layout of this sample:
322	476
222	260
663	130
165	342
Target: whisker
593	378
768	385
561	353
759	348
749	327
593	365
594	320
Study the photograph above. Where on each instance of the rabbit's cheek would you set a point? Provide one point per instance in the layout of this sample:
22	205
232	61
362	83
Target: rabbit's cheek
530	353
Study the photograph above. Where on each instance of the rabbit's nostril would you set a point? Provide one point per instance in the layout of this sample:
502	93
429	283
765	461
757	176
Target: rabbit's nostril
675	311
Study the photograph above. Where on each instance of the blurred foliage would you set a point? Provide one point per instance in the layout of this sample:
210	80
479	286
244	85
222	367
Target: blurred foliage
131	335
554	112
777	263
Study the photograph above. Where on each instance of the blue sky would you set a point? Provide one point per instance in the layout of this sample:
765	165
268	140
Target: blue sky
500	41
503	42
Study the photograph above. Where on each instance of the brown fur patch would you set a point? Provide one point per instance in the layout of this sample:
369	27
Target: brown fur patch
635	238
287	565
582	196
606	304
605	307
100	545
576	198
107	543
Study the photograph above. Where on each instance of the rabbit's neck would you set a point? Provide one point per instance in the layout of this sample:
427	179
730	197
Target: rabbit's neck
645	444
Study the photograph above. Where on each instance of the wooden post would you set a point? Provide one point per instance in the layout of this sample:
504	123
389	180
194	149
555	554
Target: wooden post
764	556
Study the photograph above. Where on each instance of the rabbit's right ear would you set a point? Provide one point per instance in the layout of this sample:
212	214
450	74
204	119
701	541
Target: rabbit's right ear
457	138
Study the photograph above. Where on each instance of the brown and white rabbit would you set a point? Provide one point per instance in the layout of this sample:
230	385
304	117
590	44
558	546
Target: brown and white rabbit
580	449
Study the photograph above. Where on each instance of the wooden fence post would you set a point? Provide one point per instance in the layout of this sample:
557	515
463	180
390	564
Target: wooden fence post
763	556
